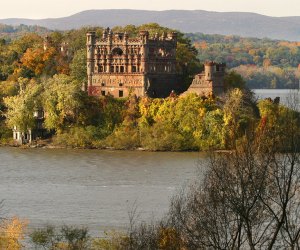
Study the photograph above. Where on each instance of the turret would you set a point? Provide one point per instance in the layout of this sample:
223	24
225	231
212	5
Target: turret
126	36
209	70
105	33
90	45
144	35
172	36
163	36
110	35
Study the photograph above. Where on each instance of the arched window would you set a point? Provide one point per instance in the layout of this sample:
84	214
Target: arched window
117	52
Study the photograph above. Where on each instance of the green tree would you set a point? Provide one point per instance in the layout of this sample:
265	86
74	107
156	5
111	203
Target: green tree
21	107
78	66
61	101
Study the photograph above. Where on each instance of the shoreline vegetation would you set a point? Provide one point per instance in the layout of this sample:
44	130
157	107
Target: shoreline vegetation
176	123
33	78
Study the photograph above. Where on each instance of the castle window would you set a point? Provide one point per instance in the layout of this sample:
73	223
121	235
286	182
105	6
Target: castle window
102	92
120	93
117	52
112	69
117	69
103	84
122	69
120	84
133	68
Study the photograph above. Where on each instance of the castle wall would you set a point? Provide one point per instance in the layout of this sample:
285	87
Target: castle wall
117	85
118	65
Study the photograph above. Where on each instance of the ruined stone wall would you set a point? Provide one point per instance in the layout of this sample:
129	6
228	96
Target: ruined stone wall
117	85
209	82
118	65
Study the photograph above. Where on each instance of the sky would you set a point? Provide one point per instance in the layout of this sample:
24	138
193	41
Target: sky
36	9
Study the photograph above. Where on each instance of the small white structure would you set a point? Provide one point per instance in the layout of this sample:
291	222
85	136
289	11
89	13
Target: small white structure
22	137
31	134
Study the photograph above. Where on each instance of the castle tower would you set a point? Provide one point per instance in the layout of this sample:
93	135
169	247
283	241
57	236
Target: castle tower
90	45
144	35
209	68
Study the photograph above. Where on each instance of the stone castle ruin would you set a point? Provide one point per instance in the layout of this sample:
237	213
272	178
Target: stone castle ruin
118	65
210	81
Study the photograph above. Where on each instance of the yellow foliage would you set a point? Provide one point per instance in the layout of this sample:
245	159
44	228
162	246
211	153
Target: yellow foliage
62	246
12	233
113	241
168	239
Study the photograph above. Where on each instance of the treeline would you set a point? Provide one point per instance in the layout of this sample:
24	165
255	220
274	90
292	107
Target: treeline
22	28
235	50
272	63
10	32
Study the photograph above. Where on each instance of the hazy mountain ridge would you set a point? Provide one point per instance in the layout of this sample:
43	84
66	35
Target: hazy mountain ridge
225	23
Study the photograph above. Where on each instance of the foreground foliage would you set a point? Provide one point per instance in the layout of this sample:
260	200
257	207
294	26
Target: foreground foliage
12	233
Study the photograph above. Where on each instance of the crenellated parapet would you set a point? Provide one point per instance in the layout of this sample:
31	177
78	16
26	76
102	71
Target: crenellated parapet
210	81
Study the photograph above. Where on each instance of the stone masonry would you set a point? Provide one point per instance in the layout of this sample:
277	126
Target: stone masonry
119	65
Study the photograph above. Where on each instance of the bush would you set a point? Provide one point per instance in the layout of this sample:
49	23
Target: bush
123	138
80	137
67	238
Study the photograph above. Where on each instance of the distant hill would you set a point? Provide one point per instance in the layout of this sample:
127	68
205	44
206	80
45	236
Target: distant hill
225	23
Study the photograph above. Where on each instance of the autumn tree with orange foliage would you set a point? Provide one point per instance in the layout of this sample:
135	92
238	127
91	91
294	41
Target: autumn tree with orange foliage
44	62
12	232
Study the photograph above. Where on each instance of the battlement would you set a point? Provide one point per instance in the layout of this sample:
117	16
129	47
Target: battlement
210	81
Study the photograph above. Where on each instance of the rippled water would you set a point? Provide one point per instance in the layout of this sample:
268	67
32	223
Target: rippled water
91	187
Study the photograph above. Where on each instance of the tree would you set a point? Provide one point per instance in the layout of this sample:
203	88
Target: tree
12	234
67	237
78	66
249	198
234	80
61	101
21	107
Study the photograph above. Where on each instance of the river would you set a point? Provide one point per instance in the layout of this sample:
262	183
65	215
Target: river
92	188
96	188
289	97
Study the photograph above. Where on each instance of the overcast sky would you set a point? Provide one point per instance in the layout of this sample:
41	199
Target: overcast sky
60	8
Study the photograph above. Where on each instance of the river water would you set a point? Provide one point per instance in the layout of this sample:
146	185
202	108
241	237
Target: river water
289	97
96	188
91	187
